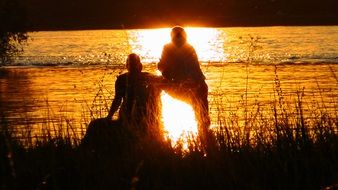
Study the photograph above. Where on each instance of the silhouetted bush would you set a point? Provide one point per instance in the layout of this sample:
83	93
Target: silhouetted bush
12	29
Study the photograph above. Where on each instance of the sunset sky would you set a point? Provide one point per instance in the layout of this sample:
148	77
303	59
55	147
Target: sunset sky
56	14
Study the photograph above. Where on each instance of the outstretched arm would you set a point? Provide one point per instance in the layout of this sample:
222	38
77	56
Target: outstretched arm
196	72
117	99
163	60
114	106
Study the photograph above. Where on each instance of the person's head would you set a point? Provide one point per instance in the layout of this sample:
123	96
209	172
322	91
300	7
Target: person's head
134	64
178	35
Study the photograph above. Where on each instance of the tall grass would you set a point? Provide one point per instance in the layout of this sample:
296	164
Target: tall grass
280	148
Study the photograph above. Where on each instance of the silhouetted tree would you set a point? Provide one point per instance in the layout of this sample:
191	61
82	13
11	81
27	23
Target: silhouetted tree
12	29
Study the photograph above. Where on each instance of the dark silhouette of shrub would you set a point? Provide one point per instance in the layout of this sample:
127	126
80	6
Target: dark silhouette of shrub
13	33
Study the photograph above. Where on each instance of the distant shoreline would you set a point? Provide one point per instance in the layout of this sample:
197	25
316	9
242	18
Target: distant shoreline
142	23
163	26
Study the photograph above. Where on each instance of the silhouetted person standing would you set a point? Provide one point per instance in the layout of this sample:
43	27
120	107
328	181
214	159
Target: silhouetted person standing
180	67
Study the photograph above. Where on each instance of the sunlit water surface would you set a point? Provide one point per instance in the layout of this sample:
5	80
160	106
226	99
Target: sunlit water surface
273	45
65	79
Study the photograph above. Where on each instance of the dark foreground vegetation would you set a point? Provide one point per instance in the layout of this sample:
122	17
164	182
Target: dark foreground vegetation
286	153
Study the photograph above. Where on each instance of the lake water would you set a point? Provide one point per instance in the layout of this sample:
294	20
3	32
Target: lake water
227	45
66	78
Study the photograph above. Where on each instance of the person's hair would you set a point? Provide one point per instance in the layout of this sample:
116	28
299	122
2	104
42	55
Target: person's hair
134	63
178	35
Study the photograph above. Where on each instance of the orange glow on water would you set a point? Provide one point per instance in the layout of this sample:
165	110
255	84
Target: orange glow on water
149	43
178	119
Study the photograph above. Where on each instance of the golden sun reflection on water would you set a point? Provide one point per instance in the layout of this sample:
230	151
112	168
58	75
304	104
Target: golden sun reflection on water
178	119
149	43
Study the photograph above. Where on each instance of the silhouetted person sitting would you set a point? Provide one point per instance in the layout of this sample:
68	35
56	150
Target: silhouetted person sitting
180	67
136	96
139	109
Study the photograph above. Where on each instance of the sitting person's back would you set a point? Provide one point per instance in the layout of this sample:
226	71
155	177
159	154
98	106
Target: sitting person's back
136	96
138	101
